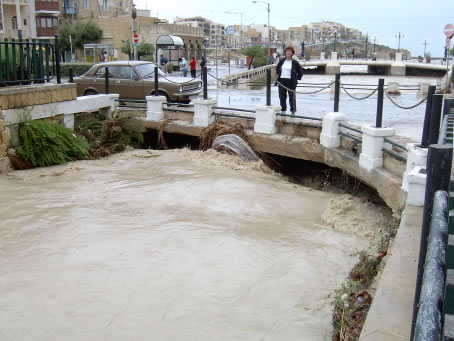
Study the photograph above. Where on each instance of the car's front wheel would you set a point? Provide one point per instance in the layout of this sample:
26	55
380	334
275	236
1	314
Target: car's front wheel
90	92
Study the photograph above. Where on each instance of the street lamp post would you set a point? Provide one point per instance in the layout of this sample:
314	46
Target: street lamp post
425	45
375	38
241	26
367	41
335	38
269	29
399	36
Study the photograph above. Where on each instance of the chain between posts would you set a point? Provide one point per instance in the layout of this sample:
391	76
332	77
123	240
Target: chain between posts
305	93
402	107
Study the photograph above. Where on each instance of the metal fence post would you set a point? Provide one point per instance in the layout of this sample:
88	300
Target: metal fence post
435	118
57	60
426	127
336	92
156	81
205	82
21	55
379	118
71	75
439	162
268	87
107	80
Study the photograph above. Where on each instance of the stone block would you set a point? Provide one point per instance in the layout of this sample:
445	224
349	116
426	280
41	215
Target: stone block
5	137
73	93
2	125
4	102
3	149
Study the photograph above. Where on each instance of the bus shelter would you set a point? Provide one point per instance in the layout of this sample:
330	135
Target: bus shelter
170	47
92	52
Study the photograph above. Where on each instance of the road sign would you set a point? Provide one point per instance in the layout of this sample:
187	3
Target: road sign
136	38
449	30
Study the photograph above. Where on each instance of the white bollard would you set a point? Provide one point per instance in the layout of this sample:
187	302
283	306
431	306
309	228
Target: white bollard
329	137
373	140
203	110
154	108
265	118
416	157
416	186
393	88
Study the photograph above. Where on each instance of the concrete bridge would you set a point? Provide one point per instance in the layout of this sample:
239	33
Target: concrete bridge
396	67
332	66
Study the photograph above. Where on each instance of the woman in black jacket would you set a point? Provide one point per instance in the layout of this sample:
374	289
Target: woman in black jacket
289	72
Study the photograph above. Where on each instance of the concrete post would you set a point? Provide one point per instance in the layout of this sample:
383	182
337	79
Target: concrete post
322	55
398	67
333	66
393	88
108	111
154	108
68	121
416	186
203	110
423	88
265	118
329	138
373	140
416	157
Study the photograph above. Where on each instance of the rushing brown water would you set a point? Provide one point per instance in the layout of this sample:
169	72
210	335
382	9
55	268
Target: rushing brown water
174	245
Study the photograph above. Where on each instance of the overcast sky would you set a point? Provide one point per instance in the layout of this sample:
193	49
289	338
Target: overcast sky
417	20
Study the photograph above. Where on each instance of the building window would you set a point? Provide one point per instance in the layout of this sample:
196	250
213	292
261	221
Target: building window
106	5
49	22
14	22
25	22
85	3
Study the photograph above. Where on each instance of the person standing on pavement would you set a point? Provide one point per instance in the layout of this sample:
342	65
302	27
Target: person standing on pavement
289	72
193	65
183	66
163	62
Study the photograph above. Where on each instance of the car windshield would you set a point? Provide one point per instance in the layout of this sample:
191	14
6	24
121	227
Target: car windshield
147	70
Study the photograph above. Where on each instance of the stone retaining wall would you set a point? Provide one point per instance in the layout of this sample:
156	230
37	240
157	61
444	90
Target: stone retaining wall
23	96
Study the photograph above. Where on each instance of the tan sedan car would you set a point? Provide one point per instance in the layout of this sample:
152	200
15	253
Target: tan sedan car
135	80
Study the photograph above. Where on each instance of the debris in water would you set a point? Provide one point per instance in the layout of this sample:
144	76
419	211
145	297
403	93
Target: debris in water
233	144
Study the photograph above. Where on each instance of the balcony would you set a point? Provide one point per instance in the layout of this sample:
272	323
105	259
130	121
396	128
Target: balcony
69	10
47	6
46	31
13	2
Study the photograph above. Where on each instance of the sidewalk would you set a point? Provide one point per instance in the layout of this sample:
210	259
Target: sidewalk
389	317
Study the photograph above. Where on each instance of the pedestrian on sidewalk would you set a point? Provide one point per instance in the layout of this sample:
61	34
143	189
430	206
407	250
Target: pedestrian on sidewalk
164	61
193	65
183	66
289	72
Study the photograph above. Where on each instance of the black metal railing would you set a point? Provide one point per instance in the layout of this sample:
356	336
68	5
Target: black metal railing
28	62
433	306
350	136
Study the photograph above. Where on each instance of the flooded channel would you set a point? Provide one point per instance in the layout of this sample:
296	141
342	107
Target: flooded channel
173	245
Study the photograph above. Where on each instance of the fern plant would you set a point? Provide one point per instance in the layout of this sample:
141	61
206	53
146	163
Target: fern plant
45	144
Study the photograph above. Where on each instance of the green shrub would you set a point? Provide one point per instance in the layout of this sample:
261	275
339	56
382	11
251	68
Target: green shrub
45	144
78	68
170	67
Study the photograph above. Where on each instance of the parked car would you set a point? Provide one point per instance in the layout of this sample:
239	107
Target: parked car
135	80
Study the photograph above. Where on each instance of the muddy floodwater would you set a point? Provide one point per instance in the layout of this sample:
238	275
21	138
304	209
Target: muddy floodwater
172	245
